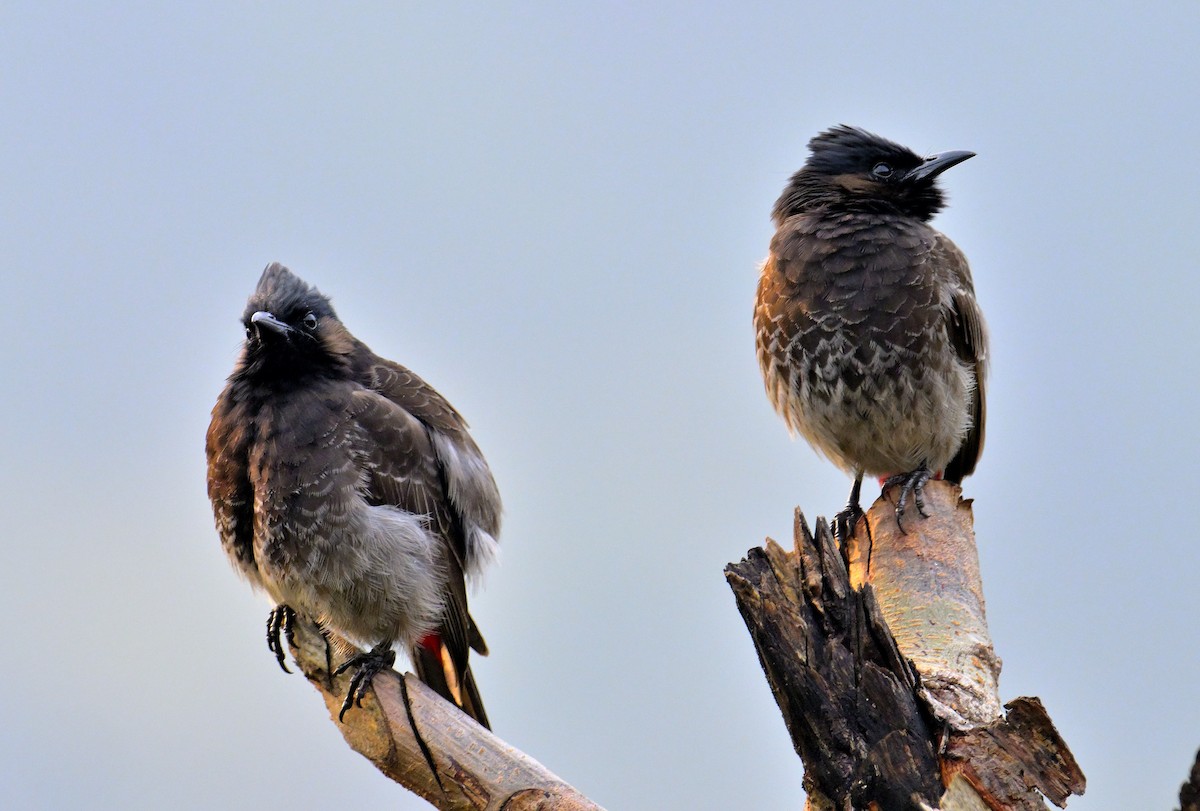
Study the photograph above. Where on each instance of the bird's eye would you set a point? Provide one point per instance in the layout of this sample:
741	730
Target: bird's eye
249	332
310	321
882	169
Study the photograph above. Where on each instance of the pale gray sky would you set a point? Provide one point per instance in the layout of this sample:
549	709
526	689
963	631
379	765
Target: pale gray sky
555	215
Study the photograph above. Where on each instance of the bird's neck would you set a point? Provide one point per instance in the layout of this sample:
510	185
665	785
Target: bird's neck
803	196
267	378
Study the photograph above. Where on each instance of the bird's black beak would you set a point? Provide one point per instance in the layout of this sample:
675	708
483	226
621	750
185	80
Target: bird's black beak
934	165
262	320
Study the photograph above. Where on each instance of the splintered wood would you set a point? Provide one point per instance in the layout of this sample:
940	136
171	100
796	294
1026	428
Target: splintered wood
881	663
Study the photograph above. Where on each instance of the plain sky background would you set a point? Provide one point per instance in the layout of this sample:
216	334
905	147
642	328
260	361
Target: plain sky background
555	214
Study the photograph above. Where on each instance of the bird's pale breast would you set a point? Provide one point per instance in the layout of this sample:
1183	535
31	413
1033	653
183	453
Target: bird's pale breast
851	337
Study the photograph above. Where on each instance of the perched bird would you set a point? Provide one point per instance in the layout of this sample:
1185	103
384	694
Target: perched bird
870	340
349	491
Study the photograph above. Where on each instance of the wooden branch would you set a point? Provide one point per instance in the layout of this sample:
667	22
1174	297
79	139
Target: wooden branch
881	663
475	769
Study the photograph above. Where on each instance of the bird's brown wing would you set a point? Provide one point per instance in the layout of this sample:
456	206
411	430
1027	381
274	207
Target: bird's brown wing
402	470
398	460
408	390
227	448
467	479
968	335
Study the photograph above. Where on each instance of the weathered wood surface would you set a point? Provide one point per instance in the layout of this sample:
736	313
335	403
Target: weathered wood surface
881	663
476	771
930	593
848	698
1015	759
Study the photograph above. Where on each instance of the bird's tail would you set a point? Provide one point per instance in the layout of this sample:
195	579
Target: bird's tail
437	668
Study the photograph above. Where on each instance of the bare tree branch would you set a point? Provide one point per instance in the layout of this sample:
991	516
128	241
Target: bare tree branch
475	769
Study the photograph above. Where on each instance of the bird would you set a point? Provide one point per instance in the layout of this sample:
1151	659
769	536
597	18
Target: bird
349	491
870	339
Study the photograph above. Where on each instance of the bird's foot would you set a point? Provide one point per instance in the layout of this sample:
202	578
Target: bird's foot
846	520
281	619
910	484
328	659
379	658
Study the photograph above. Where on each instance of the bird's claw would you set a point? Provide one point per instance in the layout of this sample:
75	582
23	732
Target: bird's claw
911	484
379	658
845	521
281	619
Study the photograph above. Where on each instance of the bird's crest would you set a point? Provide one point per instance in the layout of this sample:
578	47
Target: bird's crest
844	148
283	293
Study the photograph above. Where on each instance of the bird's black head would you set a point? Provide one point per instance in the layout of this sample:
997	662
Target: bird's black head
852	169
292	332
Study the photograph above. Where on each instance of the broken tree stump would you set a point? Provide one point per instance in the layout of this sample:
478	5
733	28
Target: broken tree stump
881	663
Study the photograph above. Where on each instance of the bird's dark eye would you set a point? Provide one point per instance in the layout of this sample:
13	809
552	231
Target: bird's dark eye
882	169
249	332
309	321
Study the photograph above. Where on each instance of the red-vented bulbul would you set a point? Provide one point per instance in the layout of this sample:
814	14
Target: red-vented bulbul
349	491
871	343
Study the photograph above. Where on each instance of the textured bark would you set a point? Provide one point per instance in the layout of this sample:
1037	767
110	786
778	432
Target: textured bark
1009	761
881	663
475	769
847	696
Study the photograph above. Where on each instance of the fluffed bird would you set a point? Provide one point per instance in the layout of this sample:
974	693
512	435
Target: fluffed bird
346	488
870	340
